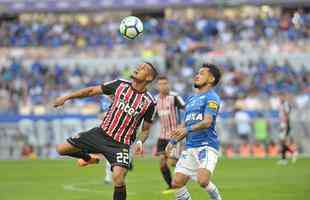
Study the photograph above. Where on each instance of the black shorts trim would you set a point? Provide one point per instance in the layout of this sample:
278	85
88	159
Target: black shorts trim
73	144
120	165
161	146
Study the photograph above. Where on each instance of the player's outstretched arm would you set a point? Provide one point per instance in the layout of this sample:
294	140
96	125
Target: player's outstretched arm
86	92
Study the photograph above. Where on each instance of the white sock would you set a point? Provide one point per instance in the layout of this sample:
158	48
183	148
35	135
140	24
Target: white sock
108	172
214	193
182	194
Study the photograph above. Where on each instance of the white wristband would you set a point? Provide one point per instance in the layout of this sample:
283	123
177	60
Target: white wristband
139	142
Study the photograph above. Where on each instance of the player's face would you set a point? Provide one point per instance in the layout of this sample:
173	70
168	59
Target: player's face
204	77
142	73
163	86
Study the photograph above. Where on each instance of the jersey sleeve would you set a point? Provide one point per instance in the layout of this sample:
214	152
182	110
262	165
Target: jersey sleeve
212	106
179	102
150	113
110	87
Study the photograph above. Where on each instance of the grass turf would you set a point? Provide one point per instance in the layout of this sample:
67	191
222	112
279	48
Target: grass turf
237	180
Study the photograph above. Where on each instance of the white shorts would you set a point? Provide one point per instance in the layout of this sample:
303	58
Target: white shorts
195	158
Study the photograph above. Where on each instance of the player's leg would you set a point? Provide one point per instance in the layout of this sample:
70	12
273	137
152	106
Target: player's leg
118	156
179	183
184	170
164	168
82	146
118	176
284	150
207	160
108	173
204	180
67	149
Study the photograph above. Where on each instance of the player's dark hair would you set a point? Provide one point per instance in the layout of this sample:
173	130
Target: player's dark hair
215	71
155	73
162	77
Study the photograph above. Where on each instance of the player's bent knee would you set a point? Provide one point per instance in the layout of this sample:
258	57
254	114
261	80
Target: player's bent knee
203	184
118	180
203	177
118	176
60	150
177	184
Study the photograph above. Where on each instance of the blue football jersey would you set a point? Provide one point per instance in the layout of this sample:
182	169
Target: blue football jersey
197	106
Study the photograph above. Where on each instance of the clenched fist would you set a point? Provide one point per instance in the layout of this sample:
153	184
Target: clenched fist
59	101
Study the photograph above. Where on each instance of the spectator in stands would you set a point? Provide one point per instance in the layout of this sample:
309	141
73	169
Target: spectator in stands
243	123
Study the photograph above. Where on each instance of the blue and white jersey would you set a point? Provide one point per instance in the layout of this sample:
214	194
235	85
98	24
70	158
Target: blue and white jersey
197	106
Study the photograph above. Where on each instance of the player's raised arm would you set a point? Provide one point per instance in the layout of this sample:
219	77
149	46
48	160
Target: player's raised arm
85	92
107	88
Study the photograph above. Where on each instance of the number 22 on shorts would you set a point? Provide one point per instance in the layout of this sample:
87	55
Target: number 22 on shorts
122	157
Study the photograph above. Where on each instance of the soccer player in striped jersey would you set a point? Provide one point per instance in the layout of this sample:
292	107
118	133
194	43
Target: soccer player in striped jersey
131	106
168	105
285	128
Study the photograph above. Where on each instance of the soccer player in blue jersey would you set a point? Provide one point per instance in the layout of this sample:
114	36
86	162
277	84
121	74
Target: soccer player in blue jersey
199	159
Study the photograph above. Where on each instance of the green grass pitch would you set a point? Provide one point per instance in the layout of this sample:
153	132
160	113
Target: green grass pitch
237	180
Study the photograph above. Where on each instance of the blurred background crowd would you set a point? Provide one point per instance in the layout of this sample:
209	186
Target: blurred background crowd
262	50
174	29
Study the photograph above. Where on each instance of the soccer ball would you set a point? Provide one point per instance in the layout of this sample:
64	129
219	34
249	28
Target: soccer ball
131	27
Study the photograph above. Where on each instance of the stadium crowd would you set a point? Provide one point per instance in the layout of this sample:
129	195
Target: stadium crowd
27	85
23	87
90	33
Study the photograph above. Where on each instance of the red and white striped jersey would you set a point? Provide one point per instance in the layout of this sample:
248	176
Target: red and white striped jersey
128	109
167	108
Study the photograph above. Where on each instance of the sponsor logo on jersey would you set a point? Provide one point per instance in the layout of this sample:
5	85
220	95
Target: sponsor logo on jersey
127	109
194	117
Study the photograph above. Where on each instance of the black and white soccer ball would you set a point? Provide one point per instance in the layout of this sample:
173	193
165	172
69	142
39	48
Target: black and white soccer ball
131	27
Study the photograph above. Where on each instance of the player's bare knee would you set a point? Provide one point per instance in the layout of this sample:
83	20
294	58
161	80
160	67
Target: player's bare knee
203	182
118	179
60	150
177	184
118	176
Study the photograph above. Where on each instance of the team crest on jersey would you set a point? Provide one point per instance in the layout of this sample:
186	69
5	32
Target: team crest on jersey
212	105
